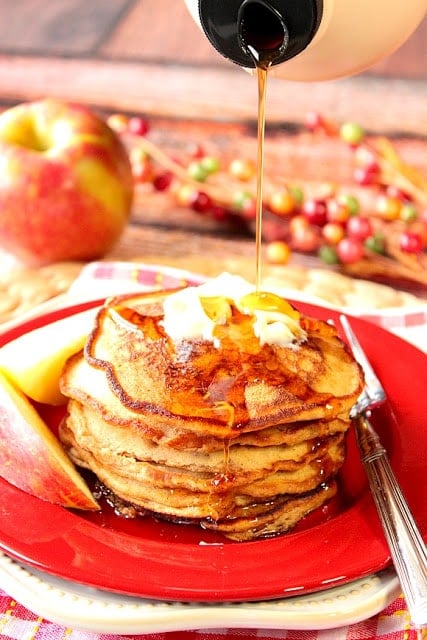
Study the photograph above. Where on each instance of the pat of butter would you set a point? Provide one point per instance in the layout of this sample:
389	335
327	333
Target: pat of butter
276	328
185	317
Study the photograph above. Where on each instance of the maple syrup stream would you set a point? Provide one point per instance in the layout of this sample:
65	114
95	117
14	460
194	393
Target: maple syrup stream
262	92
264	46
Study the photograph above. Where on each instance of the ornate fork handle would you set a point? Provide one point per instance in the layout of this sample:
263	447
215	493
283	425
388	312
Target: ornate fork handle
407	547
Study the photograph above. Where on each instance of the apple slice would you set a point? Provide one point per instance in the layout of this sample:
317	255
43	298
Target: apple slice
34	361
32	458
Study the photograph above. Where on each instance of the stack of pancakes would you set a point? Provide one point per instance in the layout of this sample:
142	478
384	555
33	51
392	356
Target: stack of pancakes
235	435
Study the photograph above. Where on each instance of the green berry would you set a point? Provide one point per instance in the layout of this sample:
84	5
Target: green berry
328	255
351	203
210	164
297	193
408	212
376	243
239	199
352	133
197	172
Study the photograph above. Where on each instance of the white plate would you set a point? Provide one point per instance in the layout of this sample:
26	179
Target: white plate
73	605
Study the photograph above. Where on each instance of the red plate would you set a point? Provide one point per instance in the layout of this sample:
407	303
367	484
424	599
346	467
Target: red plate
178	562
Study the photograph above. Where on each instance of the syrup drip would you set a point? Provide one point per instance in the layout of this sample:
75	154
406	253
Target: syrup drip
223	478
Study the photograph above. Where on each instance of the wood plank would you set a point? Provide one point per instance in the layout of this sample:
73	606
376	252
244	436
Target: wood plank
228	94
161	31
145	31
68	27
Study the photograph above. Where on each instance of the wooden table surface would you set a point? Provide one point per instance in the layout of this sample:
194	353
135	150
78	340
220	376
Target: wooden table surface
123	56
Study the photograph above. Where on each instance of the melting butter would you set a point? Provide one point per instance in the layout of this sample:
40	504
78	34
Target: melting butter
276	321
194	312
186	318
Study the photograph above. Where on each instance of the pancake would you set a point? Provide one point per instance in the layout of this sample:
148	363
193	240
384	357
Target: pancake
211	412
270	518
241	387
90	387
193	486
90	437
248	521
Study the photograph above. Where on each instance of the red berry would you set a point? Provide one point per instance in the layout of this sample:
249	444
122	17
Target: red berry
219	213
273	230
395	192
200	202
305	239
196	151
410	242
315	212
350	250
366	175
314	121
359	227
249	208
163	181
337	212
364	156
138	126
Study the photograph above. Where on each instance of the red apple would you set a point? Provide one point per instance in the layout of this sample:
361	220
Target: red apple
66	183
32	458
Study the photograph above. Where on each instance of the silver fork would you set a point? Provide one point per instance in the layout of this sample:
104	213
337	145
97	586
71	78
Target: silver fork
406	544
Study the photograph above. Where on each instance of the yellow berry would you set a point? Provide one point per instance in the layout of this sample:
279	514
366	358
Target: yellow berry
388	208
298	223
281	202
326	190
242	169
142	168
118	121
184	194
278	252
333	232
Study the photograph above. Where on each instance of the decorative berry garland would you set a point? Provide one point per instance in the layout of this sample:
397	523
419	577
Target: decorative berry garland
387	239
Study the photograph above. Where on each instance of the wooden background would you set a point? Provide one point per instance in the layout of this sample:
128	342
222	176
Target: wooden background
148	57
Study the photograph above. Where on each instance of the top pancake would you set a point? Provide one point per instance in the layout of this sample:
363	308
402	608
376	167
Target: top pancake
226	390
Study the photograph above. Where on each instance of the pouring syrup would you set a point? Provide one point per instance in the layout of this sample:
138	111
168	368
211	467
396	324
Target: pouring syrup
265	45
